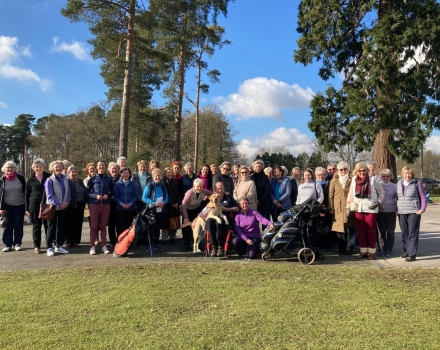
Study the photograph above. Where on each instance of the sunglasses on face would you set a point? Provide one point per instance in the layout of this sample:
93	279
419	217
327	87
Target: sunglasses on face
331	169
361	171
227	169
385	175
244	172
343	169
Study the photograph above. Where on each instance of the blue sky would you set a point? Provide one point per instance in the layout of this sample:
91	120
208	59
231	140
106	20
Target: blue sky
45	67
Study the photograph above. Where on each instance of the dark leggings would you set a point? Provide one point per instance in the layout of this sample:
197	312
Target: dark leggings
252	250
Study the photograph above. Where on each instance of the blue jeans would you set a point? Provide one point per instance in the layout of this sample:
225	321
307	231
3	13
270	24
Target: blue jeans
13	233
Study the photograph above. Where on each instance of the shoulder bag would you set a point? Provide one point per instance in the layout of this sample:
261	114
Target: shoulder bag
47	211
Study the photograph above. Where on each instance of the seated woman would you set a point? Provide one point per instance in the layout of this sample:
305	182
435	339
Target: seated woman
218	231
192	205
247	227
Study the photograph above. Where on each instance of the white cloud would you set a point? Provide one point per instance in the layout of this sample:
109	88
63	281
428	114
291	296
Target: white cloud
262	97
24	75
3	105
433	143
78	49
419	57
292	139
10	53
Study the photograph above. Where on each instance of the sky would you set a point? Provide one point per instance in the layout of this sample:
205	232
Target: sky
46	67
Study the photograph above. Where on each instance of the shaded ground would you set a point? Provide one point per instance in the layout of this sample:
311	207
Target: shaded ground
429	253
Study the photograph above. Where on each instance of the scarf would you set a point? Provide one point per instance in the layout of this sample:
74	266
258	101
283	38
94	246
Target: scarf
363	188
343	179
322	183
11	177
205	181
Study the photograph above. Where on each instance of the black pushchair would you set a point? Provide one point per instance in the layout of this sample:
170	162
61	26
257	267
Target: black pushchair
287	235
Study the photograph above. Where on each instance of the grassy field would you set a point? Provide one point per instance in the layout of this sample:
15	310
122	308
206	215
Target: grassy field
220	306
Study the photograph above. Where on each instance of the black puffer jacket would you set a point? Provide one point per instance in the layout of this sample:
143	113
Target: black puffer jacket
263	193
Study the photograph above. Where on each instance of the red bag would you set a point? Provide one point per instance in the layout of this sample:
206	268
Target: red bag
125	240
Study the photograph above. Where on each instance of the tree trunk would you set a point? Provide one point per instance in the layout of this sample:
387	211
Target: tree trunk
196	137
125	108
382	156
180	94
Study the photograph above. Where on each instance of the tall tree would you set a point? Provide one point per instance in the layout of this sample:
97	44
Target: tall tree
178	25
388	53
20	140
113	24
206	41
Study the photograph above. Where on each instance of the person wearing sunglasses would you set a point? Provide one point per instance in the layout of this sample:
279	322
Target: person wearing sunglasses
331	170
224	177
386	218
342	225
246	188
364	198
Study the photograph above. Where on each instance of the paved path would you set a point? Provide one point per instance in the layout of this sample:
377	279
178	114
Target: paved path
428	253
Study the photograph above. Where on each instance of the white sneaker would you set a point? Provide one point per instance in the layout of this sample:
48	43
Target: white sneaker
17	247
105	250
50	252
92	251
61	250
6	249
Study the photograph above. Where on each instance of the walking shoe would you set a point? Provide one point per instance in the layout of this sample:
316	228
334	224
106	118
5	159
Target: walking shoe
389	253
50	252
17	247
384	253
6	249
151	250
92	251
410	258
61	250
159	247
213	251
105	250
404	255
220	251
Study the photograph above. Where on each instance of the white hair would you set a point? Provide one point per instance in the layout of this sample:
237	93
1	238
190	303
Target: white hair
9	164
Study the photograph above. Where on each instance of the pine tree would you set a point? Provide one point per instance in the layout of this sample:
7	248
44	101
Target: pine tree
388	54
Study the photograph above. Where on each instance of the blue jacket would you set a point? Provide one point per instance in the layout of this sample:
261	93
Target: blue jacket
285	187
125	194
103	187
153	191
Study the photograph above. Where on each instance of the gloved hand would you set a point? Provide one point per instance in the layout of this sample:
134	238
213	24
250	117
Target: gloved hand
374	205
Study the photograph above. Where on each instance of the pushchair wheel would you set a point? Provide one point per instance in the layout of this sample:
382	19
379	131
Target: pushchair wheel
266	256
306	256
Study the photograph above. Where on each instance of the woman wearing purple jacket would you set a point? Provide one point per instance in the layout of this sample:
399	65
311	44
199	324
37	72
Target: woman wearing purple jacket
247	226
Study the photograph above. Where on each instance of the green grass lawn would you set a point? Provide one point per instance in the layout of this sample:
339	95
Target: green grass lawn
220	306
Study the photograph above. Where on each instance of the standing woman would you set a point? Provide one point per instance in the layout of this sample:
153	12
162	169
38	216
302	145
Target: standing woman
177	167
269	172
75	214
263	189
112	221
89	171
364	198
100	188
33	195
386	218
192	205
12	190
155	194
411	204
58	194
141	178
235	174
172	207
126	196
342	225
245	188
214	169
186	181
206	176
309	189
280	189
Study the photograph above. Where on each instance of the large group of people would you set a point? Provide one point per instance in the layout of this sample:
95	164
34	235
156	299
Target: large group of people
362	206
